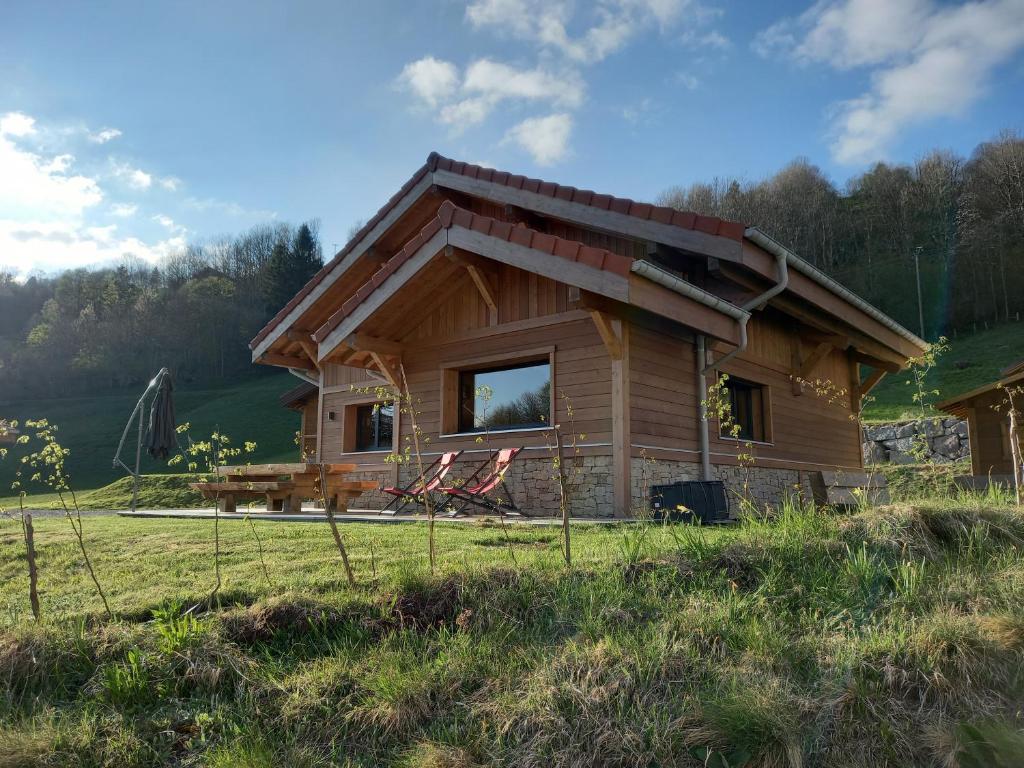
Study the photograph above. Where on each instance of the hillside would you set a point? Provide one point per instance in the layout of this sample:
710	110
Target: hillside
889	637
971	361
91	425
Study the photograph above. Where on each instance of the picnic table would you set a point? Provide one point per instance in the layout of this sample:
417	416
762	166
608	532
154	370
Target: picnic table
284	486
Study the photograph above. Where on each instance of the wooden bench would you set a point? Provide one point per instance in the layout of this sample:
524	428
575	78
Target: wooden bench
849	489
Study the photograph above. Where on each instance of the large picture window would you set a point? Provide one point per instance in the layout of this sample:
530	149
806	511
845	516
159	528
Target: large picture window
748	407
374	423
505	397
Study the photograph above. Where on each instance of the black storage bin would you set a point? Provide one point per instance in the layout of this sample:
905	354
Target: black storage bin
704	500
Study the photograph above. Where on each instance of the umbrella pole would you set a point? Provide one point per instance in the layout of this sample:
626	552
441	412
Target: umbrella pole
138	461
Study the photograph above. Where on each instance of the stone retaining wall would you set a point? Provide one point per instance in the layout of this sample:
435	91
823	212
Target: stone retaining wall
942	440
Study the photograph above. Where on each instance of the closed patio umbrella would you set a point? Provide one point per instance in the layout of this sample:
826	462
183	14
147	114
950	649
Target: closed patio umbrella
162	436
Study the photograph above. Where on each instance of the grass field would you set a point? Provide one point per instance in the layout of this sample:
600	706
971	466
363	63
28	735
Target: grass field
91	426
890	637
970	362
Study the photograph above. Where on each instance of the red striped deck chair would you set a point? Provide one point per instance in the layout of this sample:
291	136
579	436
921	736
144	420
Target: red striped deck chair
479	491
421	486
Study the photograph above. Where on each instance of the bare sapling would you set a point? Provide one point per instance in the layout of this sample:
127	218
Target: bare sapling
49	465
1014	415
204	458
409	409
718	406
566	474
922	396
484	394
328	501
28	533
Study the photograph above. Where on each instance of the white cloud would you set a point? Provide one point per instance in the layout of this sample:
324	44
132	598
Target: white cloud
545	138
123	210
463	101
17	124
230	209
607	28
927	61
171	183
133	177
46	207
102	137
432	80
35	186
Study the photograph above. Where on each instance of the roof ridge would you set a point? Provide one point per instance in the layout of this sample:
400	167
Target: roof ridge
662	214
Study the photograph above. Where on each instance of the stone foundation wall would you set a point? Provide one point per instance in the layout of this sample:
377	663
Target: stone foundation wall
372	499
764	486
942	440
534	488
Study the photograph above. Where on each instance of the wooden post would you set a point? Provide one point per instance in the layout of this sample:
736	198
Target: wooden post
33	572
621	436
1015	454
564	498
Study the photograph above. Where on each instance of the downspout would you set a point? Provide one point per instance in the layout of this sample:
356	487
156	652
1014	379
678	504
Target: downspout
703	366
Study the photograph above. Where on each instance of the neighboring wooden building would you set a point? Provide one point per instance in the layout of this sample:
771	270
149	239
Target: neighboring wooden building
557	299
304	399
988	423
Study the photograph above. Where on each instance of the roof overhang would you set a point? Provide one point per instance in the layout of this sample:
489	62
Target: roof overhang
593	270
729	242
958	405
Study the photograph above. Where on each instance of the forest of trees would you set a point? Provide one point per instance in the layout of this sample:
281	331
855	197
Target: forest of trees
194	313
962	218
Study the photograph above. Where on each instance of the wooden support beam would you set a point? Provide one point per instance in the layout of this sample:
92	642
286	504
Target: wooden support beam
869	383
388	369
855	393
487	291
365	343
287	361
874	362
606	325
621	430
306	342
807	366
796	360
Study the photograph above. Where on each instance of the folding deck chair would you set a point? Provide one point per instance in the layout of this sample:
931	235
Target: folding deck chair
475	491
421	486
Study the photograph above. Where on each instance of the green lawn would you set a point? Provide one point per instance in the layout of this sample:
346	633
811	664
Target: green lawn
889	637
970	362
91	426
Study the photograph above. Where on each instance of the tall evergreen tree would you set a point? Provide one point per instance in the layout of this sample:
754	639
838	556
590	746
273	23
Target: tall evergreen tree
290	267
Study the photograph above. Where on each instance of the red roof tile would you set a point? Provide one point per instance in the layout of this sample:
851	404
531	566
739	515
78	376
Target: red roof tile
449	215
661	214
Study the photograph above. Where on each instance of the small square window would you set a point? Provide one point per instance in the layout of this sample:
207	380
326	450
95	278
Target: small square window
374	424
748	410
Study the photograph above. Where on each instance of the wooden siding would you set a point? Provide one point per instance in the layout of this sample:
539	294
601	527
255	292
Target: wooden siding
988	435
807	431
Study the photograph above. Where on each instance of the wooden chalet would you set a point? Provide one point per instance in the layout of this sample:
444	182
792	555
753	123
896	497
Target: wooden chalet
603	315
988	423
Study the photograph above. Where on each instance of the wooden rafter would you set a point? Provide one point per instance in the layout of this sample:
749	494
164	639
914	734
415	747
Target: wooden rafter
366	343
874	362
306	342
811	362
606	328
287	361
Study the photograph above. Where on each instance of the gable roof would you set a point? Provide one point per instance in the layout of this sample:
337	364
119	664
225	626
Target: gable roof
707	235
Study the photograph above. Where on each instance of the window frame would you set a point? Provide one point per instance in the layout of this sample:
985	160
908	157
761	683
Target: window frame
352	423
766	413
450	399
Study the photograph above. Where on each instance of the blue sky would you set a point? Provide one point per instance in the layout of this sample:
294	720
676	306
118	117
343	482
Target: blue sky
136	127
